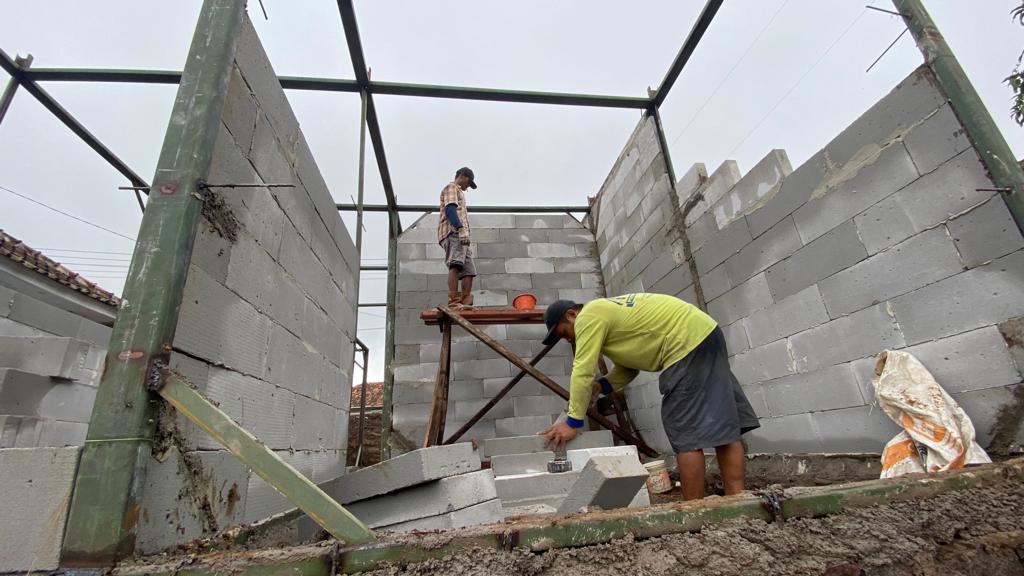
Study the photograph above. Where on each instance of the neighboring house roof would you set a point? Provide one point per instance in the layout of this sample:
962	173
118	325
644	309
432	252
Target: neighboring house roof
32	259
374	395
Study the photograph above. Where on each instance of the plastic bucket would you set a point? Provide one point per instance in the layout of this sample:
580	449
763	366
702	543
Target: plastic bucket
658	480
524	301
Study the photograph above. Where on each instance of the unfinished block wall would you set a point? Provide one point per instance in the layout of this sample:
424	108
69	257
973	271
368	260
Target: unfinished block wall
266	324
50	364
550	256
885	239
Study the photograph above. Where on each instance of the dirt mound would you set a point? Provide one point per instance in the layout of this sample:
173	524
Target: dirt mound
972	532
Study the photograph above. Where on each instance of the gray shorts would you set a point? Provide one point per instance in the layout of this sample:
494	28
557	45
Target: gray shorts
702	403
459	256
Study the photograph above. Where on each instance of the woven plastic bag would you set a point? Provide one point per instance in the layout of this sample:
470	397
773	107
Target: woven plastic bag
937	434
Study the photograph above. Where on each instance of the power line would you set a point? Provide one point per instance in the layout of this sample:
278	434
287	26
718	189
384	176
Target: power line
799	80
95	265
729	73
80	257
83	251
73	217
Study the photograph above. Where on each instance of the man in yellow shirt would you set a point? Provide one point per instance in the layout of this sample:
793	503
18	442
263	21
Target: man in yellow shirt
703	405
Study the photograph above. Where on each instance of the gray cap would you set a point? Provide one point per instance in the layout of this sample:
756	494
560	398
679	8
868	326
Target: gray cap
469	174
553	315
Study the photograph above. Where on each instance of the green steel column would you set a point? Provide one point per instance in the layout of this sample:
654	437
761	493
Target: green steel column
104	513
389	337
981	129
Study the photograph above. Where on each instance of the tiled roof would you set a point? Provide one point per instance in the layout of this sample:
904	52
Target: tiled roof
374	395
16	250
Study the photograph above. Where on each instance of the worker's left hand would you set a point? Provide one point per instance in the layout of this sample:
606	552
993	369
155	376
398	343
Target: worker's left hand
558	435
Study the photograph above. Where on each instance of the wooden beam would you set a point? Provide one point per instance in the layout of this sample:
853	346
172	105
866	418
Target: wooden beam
439	406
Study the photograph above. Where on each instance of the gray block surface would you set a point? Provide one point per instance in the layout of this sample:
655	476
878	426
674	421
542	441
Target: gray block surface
37	491
531	444
489	512
57	357
962	308
606	482
426	500
921	260
409	469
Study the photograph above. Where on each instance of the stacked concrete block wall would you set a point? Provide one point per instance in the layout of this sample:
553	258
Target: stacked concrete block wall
51	359
266	324
888	238
550	256
427	489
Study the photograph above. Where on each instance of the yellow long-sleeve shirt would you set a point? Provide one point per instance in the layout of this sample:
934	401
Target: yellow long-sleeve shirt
647	332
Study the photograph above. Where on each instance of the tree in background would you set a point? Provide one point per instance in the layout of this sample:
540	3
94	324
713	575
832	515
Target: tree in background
1016	79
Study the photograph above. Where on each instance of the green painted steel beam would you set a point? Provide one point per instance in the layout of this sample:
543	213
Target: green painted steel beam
319	84
687	50
601	527
298	489
988	141
474	208
105	506
111	75
24	78
517	96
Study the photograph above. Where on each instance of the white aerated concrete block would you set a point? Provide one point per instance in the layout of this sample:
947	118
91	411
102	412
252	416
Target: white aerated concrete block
530	444
489	512
427	500
37	491
607	482
642	498
409	469
514	464
56	357
580	457
541	488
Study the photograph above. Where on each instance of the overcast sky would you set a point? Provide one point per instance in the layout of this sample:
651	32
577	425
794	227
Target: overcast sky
769	74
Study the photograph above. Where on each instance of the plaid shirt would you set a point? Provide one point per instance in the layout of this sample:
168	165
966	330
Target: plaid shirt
451	194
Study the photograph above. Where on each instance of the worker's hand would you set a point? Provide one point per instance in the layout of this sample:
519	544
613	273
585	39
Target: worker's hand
558	435
464	236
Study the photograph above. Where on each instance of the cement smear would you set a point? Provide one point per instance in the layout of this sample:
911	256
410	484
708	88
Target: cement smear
972	532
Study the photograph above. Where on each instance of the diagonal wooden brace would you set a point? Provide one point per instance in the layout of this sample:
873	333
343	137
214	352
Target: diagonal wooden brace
298	489
497	397
548	382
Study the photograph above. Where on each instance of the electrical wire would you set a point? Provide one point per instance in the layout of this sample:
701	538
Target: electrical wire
83	251
72	216
729	73
798	82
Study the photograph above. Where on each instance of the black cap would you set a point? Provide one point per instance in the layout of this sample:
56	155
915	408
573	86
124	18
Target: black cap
553	315
469	174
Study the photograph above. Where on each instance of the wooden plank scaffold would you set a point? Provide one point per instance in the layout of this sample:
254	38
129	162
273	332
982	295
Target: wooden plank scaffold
469	320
